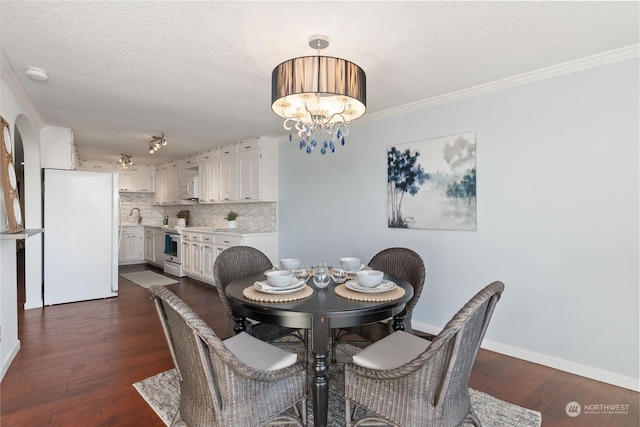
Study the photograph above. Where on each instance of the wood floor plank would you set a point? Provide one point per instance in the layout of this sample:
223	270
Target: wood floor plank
78	361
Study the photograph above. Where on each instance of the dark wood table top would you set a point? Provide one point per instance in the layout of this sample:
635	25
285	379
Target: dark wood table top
325	303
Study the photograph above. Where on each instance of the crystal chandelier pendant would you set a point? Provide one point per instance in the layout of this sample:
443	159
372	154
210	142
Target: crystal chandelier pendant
320	96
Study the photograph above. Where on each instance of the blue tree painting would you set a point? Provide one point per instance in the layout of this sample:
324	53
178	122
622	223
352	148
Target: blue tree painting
432	184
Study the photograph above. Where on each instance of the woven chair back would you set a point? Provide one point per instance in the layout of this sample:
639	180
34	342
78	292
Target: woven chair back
235	262
405	264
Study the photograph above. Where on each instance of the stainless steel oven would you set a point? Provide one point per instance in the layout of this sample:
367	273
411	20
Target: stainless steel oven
173	253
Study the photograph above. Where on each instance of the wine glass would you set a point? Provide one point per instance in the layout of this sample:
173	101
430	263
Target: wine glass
339	275
302	273
321	275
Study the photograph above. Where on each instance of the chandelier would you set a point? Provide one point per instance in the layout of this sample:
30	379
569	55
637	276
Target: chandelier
318	96
125	161
157	142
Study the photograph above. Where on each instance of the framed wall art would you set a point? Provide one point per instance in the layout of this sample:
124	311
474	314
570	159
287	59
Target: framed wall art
431	184
10	180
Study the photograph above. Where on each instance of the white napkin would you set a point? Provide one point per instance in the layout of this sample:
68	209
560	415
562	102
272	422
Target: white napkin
266	287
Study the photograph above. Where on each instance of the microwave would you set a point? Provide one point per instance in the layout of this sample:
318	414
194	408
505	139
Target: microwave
188	188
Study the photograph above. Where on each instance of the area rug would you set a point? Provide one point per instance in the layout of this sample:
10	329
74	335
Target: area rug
162	393
148	278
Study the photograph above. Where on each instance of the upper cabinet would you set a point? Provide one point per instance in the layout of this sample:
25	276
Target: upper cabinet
97	166
245	171
137	179
208	176
255	177
228	172
167	180
58	148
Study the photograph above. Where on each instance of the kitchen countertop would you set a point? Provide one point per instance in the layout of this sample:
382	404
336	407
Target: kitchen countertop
232	231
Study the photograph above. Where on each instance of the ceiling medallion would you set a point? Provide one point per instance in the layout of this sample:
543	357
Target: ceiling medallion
319	96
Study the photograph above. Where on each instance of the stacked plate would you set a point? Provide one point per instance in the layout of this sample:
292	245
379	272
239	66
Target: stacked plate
264	286
384	286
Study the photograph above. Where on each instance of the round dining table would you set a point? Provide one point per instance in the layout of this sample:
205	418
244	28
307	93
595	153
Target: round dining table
320	312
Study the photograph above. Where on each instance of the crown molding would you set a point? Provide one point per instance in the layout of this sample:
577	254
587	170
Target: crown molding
601	59
10	76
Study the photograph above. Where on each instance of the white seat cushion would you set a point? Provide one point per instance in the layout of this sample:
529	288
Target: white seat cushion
391	351
259	354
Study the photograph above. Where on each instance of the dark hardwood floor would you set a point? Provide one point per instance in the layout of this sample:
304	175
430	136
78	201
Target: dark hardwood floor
78	362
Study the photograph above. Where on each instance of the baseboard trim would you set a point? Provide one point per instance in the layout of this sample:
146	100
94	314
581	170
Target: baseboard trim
7	360
550	361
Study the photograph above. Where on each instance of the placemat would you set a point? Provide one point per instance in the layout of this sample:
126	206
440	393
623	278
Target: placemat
392	295
255	295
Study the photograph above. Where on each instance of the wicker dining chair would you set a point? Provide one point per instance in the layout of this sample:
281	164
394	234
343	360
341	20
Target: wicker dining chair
427	383
238	382
239	261
400	262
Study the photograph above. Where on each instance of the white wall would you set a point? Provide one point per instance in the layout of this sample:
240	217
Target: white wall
557	189
18	111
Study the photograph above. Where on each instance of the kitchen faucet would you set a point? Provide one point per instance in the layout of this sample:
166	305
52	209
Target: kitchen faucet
139	217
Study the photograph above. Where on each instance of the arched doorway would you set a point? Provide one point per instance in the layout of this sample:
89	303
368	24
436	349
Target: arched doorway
31	200
20	244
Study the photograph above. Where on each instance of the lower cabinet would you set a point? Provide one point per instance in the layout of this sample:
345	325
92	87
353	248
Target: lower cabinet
198	256
131	250
208	259
200	250
154	246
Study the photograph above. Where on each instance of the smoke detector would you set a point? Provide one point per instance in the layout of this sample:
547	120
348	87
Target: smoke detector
37	74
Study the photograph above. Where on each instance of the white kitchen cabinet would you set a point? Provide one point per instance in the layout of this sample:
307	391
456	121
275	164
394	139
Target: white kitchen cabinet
174	182
131	249
189	162
250	171
159	242
201	248
197	255
249	175
208	260
208	176
58	149
97	166
258	169
154	246
265	242
161	184
196	259
228	174
137	179
167	178
186	256
149	247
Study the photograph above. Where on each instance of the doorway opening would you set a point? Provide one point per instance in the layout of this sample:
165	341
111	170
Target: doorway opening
20	244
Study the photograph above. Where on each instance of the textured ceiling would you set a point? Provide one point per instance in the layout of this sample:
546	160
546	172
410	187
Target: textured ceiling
120	72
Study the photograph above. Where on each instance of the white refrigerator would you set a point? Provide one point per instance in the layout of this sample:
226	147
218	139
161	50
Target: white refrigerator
81	216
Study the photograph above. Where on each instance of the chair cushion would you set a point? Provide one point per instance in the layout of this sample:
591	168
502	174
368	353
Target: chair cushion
259	354
391	351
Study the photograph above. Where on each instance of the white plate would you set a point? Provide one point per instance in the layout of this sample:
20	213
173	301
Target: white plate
385	286
264	286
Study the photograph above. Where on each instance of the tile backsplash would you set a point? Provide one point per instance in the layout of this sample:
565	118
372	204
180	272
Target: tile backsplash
259	216
150	214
